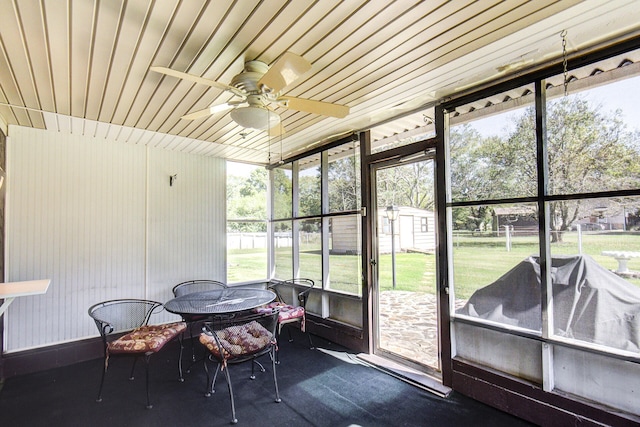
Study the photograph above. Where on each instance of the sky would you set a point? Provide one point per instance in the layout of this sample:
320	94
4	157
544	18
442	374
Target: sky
624	95
240	169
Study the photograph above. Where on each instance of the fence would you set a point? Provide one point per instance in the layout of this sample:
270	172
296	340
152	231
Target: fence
259	240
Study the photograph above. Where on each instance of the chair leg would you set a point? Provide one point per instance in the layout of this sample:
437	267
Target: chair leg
104	372
255	361
311	346
146	363
133	367
253	365
234	420
308	336
210	385
180	378
193	346
278	330
273	355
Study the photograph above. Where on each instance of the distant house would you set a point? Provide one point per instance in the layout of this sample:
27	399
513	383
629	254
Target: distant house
613	222
521	219
413	230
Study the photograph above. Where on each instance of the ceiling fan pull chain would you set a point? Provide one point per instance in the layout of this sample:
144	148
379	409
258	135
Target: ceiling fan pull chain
563	34
281	162
268	148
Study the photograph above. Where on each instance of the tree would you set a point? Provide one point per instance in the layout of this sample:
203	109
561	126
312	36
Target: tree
309	194
407	185
588	151
247	199
470	177
282	193
344	184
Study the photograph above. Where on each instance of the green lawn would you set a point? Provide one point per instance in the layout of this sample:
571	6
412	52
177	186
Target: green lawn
478	261
415	272
246	264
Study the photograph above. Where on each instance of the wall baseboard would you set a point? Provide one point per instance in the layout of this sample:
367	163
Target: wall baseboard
339	333
41	359
530	402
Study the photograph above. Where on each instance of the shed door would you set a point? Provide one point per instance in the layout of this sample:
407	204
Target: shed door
406	232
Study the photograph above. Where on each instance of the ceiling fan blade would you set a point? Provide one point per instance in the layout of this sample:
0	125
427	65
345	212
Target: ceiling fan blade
208	111
283	72
196	79
315	107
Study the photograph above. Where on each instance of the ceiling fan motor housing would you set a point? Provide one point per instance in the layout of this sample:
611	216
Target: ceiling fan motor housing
248	79
256	115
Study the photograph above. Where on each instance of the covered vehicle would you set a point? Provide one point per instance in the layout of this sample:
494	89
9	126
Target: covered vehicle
590	303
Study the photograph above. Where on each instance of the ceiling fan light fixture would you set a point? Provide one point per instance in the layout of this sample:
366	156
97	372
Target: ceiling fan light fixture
255	117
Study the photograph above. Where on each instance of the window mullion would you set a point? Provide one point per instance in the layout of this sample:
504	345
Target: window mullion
295	210
546	291
324	208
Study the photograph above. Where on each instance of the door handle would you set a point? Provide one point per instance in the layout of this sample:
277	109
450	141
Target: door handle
373	262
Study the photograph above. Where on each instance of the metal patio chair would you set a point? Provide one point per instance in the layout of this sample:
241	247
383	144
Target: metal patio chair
190	287
290	314
124	328
238	338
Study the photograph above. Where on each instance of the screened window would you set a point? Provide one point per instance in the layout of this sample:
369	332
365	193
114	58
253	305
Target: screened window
594	138
424	225
577	303
493	157
246	222
283	249
344	253
343	176
594	146
282	192
495	261
493	149
324	233
309	186
310	249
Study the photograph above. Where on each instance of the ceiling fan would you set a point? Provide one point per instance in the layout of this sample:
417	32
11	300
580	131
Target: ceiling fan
258	89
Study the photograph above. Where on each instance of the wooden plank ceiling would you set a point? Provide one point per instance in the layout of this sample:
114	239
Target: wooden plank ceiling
82	66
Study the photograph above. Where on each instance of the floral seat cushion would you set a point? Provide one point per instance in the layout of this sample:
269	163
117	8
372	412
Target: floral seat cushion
238	340
146	339
288	313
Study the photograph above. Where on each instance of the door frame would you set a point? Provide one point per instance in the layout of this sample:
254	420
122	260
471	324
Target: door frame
423	150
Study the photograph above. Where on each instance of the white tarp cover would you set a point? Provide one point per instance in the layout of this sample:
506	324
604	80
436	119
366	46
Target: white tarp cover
590	302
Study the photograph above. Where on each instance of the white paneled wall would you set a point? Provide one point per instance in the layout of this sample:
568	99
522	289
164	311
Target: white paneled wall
186	221
100	219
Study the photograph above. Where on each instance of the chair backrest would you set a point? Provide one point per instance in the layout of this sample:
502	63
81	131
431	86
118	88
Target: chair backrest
192	286
241	336
122	315
306	284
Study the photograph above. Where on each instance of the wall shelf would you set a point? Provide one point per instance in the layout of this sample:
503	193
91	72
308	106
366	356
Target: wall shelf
11	290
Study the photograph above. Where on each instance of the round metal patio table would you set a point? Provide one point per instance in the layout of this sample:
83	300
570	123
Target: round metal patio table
218	301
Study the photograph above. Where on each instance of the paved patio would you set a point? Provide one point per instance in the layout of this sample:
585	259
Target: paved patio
408	324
